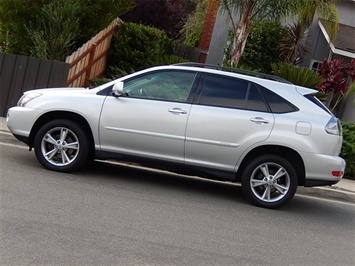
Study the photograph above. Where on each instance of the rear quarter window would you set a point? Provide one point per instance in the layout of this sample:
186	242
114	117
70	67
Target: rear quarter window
277	104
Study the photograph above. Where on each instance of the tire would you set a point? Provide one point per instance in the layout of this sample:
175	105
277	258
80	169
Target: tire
269	181
61	145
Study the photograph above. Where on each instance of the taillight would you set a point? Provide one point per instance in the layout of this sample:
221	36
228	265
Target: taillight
333	127
337	173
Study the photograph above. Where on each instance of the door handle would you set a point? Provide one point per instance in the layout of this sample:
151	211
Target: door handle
259	120
177	111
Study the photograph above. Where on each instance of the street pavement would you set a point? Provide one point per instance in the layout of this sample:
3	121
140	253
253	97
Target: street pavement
344	190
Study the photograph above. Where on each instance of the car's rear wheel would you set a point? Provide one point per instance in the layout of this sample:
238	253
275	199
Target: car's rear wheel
269	181
61	145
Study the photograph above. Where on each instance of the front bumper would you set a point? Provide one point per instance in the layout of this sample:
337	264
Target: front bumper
20	121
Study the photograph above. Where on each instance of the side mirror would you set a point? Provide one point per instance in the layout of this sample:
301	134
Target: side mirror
117	89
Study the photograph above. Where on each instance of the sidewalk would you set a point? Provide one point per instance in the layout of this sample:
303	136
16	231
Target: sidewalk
3	126
343	190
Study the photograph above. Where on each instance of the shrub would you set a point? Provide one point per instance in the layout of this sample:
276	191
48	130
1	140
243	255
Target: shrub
335	75
348	149
301	76
262	47
193	39
193	28
114	72
136	46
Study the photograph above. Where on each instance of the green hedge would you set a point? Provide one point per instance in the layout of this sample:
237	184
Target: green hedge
348	149
136	46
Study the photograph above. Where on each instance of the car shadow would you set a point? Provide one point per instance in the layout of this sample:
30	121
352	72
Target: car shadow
141	176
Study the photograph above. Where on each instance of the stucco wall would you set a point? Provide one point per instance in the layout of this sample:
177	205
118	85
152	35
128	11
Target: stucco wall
219	39
346	11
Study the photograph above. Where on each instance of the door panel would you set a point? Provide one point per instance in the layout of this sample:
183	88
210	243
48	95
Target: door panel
150	118
144	127
216	137
230	116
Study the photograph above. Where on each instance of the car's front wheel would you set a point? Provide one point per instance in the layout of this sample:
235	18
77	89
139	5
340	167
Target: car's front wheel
61	145
269	181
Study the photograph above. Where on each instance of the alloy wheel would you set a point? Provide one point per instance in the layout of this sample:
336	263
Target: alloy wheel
60	146
270	182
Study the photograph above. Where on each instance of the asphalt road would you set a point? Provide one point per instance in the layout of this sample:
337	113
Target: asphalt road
111	214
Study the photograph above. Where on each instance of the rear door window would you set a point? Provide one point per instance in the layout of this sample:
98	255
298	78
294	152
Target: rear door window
231	93
255	100
224	92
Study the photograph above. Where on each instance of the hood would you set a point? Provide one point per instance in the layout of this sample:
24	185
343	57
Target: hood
62	91
68	89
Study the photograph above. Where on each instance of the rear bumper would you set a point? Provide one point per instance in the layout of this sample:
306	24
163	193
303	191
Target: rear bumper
320	168
316	183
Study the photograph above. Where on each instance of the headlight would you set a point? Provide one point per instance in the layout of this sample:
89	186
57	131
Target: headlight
27	97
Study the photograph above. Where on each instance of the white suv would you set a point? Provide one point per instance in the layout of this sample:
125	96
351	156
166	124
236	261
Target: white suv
194	119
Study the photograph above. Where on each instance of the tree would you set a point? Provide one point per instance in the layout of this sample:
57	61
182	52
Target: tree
17	16
306	10
14	16
193	27
58	28
250	13
167	15
293	45
98	14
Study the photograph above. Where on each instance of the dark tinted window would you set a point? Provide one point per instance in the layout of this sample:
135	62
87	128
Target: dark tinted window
255	101
277	104
224	92
317	102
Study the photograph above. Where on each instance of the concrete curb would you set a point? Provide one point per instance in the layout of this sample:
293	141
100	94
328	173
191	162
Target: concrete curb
330	193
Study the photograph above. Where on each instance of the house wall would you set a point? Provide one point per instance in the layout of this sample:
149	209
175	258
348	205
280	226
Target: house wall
316	41
346	10
347	109
219	39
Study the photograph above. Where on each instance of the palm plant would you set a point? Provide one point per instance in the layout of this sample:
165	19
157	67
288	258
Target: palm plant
301	76
293	44
250	13
306	10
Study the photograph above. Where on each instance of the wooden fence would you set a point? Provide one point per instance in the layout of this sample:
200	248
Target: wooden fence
21	73
89	61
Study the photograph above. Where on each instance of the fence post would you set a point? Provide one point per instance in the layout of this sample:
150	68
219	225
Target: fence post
90	64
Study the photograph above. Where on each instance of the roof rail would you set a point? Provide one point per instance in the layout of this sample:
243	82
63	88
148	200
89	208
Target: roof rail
235	70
